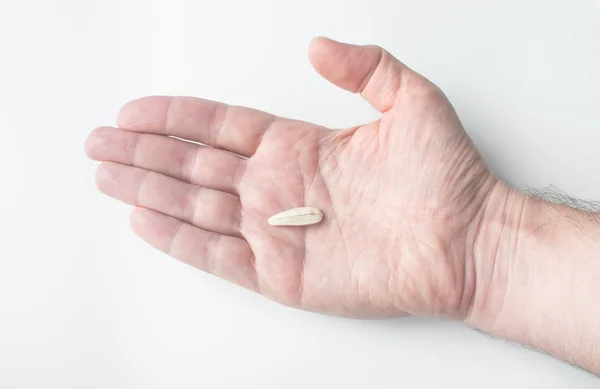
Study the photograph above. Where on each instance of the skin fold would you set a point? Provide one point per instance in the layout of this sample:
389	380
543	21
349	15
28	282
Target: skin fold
414	221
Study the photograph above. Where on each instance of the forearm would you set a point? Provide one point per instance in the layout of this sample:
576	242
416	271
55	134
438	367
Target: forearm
537	268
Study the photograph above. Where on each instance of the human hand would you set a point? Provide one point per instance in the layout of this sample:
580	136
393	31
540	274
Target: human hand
402	197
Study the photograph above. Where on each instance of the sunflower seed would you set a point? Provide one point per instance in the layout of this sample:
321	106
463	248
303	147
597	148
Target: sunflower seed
302	216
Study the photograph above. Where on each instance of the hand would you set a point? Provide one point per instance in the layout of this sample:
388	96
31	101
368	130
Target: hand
402	197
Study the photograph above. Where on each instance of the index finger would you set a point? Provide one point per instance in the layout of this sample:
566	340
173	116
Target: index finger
231	128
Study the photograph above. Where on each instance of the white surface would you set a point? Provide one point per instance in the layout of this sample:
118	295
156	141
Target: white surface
85	304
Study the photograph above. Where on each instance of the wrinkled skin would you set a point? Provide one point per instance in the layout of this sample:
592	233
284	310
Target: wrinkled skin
401	196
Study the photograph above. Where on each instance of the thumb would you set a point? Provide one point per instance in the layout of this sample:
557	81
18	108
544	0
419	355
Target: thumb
368	70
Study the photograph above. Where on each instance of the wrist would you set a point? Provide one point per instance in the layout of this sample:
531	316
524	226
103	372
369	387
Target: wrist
537	266
493	245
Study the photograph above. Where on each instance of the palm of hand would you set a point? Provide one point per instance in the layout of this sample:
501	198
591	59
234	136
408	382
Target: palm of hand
399	195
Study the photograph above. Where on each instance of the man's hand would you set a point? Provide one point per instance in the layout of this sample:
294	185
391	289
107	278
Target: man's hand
402	197
414	223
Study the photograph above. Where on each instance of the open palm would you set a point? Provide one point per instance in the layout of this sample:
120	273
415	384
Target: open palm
401	196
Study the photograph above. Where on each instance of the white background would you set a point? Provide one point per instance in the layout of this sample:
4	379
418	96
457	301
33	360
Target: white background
85	304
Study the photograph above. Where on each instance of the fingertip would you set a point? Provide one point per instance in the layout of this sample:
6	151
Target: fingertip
109	180
154	228
318	48
322	40
141	222
342	64
143	113
365	69
95	142
138	219
129	113
120	181
318	40
103	175
90	146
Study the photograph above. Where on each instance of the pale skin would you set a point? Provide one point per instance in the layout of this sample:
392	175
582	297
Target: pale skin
415	223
